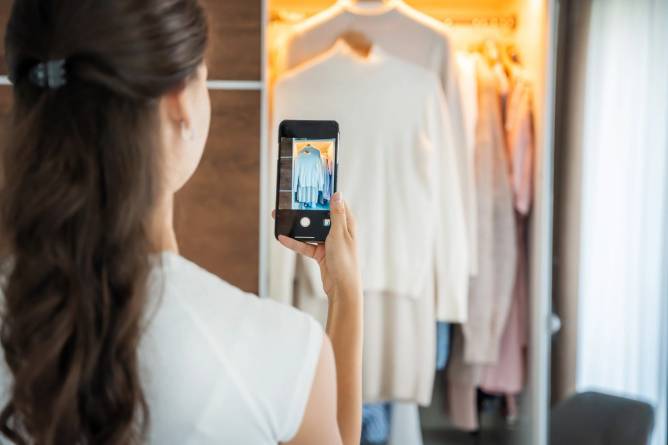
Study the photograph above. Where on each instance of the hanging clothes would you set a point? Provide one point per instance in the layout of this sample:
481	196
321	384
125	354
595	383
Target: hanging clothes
376	421
399	182
442	344
399	340
477	342
328	168
462	383
406	428
466	65
401	178
308	177
410	35
508	375
468	81
520	140
491	291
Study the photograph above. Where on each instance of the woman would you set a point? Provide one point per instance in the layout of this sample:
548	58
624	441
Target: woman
109	336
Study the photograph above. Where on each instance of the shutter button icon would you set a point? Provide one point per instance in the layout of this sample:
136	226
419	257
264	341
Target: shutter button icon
305	221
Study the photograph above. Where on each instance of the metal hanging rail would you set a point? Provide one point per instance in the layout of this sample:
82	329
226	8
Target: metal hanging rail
492	21
230	85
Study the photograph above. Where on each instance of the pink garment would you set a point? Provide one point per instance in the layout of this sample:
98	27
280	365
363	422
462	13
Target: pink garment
491	291
476	342
507	376
463	379
520	141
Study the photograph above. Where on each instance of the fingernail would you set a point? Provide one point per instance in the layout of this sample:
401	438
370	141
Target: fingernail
337	201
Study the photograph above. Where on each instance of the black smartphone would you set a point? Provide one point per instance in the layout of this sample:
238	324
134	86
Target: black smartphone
307	175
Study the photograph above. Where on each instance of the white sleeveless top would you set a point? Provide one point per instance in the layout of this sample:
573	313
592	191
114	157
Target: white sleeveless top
220	366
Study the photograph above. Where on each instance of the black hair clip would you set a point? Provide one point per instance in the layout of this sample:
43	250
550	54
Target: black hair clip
49	74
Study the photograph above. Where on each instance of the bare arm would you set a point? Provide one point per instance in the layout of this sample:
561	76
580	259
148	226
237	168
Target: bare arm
342	283
344	327
319	423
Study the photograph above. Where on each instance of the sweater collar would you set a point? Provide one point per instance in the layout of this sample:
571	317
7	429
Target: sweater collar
369	8
343	50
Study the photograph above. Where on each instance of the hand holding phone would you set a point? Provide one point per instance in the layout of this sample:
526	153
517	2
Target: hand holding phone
307	174
337	258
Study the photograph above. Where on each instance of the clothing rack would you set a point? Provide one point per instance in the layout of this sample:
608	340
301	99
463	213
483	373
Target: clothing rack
491	21
508	22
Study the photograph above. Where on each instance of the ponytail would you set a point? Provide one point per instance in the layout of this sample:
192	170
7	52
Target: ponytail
81	176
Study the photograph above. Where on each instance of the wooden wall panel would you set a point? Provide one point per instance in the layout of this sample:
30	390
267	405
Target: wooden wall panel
234	52
5	100
235	30
5	105
216	214
5	6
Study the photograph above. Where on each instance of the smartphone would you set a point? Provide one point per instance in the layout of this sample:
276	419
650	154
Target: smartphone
307	176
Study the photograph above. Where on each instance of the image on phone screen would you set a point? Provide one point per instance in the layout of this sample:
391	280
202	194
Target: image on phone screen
306	175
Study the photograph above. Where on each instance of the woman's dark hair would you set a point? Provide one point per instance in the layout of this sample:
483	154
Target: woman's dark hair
80	180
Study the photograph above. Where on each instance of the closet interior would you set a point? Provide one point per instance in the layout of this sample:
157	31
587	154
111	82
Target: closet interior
472	79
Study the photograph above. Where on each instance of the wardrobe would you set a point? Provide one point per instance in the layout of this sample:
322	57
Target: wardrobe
529	25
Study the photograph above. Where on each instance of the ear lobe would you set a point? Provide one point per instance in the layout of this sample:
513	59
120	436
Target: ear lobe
187	132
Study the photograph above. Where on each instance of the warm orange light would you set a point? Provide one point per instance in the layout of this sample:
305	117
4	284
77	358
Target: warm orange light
439	9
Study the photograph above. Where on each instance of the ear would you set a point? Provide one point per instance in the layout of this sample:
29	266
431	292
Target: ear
177	108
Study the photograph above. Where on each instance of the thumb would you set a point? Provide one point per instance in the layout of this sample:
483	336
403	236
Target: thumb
338	213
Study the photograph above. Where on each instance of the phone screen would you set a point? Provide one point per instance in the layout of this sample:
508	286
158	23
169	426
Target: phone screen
306	173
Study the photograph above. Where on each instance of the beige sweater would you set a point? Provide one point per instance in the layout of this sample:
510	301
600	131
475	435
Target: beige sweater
399	175
406	34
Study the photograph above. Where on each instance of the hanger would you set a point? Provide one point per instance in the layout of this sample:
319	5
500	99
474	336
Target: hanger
358	42
513	54
490	50
512	59
286	16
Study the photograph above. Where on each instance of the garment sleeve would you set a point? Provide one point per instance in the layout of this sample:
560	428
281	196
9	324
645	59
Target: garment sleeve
289	54
453	102
295	176
282	261
451	249
323	174
524	153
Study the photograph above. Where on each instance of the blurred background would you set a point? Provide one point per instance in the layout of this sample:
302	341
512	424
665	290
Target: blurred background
564	103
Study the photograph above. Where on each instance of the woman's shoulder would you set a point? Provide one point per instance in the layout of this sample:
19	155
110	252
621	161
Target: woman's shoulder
258	352
207	295
247	329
